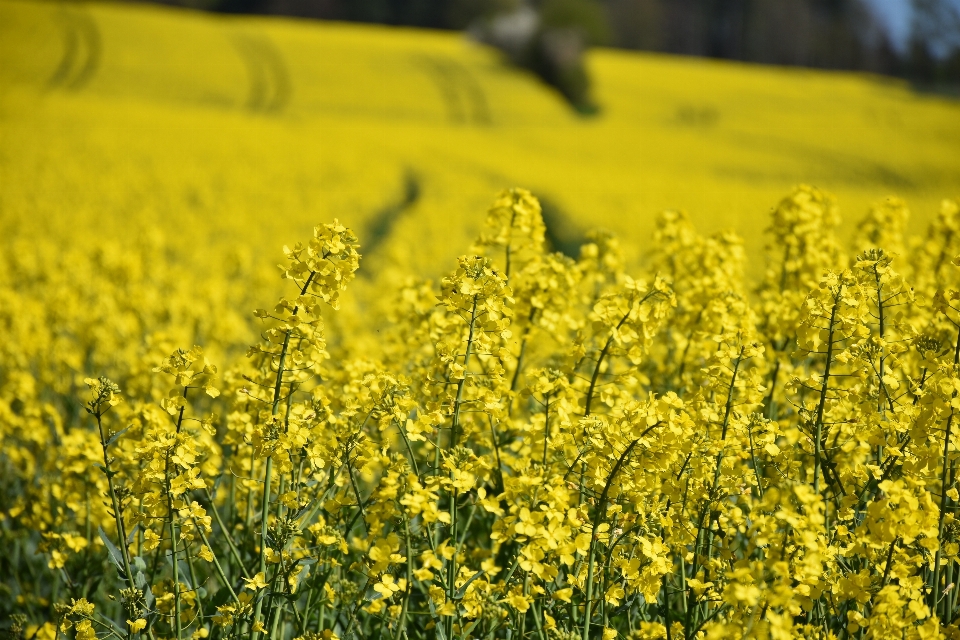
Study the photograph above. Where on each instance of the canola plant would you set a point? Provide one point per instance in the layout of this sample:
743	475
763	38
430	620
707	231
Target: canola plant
689	434
533	447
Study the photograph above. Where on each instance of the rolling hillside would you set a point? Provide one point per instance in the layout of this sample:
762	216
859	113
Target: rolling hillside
246	131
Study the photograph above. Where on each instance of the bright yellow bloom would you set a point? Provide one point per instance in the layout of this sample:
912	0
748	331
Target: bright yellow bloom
256	583
137	625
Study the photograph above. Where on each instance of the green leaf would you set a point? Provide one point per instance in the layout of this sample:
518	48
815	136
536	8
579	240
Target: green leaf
462	590
471	627
117	435
115	554
147	594
438	621
140	579
102	468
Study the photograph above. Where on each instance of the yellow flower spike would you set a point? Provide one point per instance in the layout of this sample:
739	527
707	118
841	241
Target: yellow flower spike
105	394
81	607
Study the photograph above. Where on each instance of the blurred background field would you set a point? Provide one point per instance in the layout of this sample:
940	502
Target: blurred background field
234	134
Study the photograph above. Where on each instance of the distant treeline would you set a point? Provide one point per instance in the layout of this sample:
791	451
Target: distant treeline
546	35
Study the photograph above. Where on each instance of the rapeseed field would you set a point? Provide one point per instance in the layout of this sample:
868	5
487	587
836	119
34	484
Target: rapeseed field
172	117
583	415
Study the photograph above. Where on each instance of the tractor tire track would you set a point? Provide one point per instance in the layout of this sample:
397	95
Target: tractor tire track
462	95
82	49
269	81
381	225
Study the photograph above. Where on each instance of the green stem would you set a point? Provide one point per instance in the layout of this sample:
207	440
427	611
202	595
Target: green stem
601	511
226	534
936	591
402	622
546	431
178	624
523	349
265	518
117	514
452	575
726	418
193	578
216	563
606	348
413	459
756	464
496	450
883	386
823	392
537	614
596	370
268	471
455	431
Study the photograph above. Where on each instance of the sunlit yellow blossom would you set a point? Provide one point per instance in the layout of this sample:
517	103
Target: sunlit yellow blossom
256	583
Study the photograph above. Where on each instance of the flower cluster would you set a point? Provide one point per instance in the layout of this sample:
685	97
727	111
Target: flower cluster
540	447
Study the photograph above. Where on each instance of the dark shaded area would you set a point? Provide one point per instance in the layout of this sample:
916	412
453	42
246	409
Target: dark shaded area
270	86
549	37
698	116
81	49
824	34
562	233
816	33
383	221
462	94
